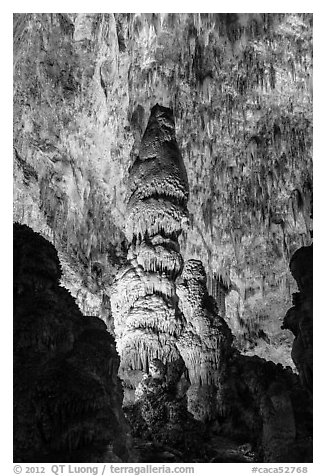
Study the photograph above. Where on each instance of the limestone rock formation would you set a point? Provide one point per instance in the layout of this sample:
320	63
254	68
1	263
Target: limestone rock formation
234	164
240	86
144	301
67	395
155	318
205	342
160	413
164	319
299	319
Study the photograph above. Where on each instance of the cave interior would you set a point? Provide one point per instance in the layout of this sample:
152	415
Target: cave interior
163	230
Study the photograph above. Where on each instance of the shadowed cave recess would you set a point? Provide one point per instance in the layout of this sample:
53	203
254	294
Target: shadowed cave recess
163	238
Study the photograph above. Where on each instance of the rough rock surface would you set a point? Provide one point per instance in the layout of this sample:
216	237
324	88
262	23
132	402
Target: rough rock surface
299	319
144	301
67	395
267	402
175	348
89	180
263	415
153	317
240	86
204	343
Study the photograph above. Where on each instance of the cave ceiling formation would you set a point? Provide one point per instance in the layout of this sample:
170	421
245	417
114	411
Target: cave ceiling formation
240	87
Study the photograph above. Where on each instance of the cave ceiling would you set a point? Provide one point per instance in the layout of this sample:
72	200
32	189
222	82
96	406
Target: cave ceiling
240	86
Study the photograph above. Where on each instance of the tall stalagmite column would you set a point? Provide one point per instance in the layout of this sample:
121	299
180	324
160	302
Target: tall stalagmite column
204	344
161	308
144	301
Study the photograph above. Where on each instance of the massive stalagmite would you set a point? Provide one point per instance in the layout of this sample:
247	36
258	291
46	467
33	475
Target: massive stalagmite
153	317
165	319
205	343
144	302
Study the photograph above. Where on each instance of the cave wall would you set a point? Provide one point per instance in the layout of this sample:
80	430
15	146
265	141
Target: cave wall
240	86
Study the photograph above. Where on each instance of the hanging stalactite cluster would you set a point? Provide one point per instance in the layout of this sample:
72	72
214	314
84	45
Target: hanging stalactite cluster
240	86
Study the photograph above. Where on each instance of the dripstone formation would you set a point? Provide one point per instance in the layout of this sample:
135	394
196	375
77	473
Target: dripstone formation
241	90
67	395
183	377
144	302
205	343
155	318
114	194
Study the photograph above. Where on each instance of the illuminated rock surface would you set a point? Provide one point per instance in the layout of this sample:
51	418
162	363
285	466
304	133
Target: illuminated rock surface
88	180
147	320
171	329
241	90
204	344
154	318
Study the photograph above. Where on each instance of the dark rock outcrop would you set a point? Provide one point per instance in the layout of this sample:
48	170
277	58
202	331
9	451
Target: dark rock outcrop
67	396
160	413
265	404
299	319
262	414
